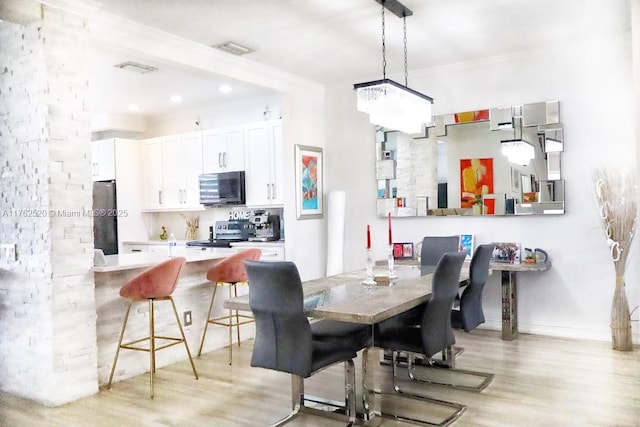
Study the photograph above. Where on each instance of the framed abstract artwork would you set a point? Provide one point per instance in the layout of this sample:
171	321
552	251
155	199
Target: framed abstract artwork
308	181
476	179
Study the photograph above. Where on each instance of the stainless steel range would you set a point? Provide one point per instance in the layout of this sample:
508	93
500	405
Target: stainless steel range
226	232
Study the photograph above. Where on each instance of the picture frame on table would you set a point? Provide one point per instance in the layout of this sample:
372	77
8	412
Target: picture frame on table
403	250
309	182
466	245
507	252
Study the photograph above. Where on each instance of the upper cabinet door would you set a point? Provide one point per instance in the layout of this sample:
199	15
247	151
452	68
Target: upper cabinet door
181	165
258	170
151	153
173	170
223	150
275	161
263	161
103	161
193	168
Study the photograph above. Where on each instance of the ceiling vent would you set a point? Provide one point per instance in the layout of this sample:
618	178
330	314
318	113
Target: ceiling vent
136	67
233	48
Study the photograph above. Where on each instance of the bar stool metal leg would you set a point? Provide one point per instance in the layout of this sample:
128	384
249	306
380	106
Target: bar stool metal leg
231	328
152	346
115	359
204	334
184	339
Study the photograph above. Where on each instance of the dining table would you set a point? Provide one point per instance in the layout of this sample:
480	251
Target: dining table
344	297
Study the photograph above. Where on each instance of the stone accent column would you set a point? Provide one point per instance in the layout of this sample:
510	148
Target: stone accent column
47	302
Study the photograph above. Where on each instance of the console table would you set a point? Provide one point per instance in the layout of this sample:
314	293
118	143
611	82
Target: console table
508	273
510	293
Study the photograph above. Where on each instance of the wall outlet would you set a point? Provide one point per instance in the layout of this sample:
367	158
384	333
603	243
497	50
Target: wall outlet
187	318
8	252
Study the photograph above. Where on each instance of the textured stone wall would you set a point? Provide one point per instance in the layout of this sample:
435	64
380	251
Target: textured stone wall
47	302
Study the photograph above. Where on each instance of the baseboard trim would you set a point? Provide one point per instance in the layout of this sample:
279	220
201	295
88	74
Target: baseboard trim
562	331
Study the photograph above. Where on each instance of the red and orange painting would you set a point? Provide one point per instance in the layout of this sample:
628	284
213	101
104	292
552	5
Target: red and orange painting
476	180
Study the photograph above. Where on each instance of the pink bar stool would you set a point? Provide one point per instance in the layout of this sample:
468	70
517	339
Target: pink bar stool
154	284
229	272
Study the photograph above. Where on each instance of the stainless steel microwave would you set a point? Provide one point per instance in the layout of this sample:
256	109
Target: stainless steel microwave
222	188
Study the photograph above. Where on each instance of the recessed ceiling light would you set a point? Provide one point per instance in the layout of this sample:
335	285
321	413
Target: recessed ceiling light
233	48
136	67
176	99
225	88
133	107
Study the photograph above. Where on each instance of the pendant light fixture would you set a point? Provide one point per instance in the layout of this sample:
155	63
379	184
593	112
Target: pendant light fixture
517	150
388	103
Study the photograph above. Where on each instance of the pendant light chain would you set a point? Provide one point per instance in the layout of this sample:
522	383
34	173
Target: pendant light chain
384	57
406	73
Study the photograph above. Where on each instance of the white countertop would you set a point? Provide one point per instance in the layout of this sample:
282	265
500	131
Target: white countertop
153	242
184	242
147	259
248	244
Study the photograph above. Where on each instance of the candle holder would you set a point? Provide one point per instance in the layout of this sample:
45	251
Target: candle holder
369	281
392	273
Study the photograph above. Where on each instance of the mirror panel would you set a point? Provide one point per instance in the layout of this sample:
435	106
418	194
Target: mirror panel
459	166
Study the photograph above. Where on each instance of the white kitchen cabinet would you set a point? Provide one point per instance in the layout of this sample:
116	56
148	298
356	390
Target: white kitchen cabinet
181	165
223	150
152	176
132	248
271	251
131	222
170	172
263	163
103	161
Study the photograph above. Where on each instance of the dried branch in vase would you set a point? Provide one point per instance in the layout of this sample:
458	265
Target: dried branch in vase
192	226
616	192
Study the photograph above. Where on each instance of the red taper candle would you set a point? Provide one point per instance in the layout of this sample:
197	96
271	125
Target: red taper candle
368	237
390	238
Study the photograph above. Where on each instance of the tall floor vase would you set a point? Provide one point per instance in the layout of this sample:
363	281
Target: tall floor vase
620	318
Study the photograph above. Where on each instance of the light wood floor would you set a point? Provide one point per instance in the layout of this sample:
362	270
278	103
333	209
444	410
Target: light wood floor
539	381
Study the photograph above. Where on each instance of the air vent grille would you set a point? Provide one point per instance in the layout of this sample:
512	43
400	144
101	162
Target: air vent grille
233	48
136	67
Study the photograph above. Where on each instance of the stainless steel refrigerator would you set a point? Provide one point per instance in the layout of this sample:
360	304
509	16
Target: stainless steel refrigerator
105	218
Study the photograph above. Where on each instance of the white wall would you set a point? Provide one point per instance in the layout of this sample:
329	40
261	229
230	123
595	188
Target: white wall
592	80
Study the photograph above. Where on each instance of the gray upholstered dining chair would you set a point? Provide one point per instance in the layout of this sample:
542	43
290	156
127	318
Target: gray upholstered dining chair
431	336
433	247
287	342
470	314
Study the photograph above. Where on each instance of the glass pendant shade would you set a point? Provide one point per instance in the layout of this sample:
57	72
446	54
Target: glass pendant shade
518	151
394	106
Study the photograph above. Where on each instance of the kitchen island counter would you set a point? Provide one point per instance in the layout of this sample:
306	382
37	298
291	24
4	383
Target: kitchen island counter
128	261
192	294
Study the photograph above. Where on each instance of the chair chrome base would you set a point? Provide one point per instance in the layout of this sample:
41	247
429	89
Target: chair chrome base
347	412
457	407
448	363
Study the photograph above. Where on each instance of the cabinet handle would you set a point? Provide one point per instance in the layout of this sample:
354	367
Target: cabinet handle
273	191
224	157
160	197
268	192
219	159
136	250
